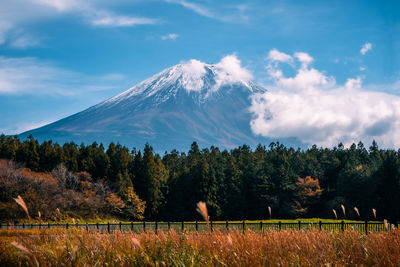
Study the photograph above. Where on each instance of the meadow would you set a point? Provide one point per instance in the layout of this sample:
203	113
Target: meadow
78	247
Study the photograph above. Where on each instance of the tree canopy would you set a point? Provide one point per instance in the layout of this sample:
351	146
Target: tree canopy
237	184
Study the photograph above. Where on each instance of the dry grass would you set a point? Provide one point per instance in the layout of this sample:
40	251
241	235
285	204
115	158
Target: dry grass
74	247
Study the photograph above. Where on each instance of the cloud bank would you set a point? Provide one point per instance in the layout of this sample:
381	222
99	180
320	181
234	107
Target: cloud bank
314	108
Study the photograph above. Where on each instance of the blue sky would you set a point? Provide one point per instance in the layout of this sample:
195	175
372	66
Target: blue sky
58	57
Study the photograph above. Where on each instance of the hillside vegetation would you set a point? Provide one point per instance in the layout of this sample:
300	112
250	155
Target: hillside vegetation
91	181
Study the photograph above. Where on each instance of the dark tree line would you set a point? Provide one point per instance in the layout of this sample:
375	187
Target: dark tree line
237	184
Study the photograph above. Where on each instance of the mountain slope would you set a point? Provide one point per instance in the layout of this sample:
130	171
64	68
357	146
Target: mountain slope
188	102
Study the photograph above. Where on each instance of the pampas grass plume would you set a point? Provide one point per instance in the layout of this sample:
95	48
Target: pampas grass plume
136	243
334	212
202	209
358	213
21	202
344	210
21	247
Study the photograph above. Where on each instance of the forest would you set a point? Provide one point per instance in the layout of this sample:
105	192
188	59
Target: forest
92	181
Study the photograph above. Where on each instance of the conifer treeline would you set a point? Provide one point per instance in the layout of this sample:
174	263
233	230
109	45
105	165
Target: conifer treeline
237	184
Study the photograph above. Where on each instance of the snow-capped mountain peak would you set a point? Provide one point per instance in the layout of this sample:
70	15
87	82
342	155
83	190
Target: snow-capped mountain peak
195	77
191	101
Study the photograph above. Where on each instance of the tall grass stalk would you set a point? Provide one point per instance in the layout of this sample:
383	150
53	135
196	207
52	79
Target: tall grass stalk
358	213
343	210
21	202
202	209
334	212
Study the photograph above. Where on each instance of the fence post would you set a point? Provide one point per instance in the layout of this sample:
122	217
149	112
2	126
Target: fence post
108	227
120	226
144	226
299	225
366	227
97	226
131	226
197	226
169	225
156	227
31	226
243	226
40	225
211	226
320	225
342	226
280	225
183	226
261	227
48	225
227	225
66	226
23	226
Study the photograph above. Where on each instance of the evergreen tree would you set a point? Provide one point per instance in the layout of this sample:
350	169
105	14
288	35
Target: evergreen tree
153	178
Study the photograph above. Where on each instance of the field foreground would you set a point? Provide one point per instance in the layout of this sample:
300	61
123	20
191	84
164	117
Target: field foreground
76	247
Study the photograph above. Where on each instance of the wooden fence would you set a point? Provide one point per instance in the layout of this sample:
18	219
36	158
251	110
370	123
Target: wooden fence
364	227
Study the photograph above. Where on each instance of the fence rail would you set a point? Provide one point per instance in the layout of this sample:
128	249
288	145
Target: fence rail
364	227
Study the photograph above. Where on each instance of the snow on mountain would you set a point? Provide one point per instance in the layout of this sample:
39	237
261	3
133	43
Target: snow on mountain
191	101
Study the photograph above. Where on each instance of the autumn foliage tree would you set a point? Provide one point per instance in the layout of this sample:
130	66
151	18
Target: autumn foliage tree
308	192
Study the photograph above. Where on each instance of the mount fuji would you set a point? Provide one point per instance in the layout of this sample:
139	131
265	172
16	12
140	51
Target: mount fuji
191	101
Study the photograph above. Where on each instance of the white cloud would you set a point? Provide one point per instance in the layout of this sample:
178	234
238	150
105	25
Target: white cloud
275	55
170	36
230	70
304	58
29	75
352	83
193	72
232	13
227	71
199	9
112	20
365	48
95	14
314	108
62	5
13	18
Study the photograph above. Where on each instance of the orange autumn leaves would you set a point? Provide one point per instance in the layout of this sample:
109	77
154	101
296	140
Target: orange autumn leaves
309	187
308	191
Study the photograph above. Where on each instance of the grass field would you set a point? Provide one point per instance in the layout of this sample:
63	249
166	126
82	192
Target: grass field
77	247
